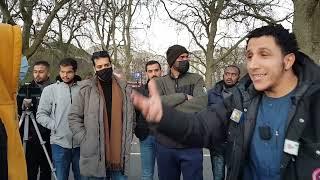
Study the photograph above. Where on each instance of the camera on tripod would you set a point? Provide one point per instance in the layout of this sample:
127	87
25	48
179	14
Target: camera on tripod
27	93
31	94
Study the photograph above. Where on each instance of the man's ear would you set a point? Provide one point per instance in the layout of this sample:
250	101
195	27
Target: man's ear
289	60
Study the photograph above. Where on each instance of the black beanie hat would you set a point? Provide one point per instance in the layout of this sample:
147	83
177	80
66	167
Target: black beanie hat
174	52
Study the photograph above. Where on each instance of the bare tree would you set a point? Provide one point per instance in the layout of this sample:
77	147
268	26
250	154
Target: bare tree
33	31
67	27
200	18
129	11
306	26
203	24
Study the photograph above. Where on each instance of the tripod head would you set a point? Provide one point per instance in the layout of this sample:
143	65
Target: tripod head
28	92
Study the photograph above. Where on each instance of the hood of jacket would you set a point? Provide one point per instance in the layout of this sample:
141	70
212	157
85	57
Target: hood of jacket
76	78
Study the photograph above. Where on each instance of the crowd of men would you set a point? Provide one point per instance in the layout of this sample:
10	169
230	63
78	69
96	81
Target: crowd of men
260	127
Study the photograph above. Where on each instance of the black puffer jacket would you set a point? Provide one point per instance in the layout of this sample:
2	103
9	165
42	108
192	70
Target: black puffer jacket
209	127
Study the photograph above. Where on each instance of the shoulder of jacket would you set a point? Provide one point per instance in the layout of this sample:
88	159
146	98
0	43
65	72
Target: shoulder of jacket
50	87
84	84
313	90
162	79
194	76
167	76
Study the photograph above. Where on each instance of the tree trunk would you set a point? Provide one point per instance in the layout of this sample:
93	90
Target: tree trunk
306	26
126	36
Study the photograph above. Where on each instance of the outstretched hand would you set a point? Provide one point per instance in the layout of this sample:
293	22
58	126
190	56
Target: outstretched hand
150	107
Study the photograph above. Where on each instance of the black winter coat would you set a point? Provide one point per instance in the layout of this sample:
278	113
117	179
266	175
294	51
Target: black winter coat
209	127
142	128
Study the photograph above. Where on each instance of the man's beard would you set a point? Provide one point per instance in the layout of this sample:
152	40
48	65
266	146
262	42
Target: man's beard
41	82
69	82
228	85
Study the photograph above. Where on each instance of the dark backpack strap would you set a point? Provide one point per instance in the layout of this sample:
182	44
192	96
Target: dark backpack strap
3	153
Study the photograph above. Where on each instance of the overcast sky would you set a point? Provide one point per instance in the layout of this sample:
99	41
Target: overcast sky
163	31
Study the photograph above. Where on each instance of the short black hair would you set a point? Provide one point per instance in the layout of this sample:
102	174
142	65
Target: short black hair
100	54
43	63
233	66
286	41
151	63
69	62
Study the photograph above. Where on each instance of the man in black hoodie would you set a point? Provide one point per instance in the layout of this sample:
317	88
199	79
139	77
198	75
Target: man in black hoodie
40	80
142	131
271	120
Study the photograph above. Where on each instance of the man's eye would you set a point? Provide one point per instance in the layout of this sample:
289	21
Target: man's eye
265	53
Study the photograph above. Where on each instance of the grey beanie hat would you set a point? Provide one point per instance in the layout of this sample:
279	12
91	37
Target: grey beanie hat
174	52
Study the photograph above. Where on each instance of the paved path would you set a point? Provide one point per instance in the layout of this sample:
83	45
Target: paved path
135	166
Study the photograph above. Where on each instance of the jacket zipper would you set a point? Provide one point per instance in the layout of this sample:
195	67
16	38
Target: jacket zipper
125	139
70	94
176	84
71	103
99	143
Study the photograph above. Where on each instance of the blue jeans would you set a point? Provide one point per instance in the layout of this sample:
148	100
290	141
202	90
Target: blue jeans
113	175
171	162
217	164
62	158
147	149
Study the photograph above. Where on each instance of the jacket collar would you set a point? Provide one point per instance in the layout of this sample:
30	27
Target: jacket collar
121	83
179	77
42	85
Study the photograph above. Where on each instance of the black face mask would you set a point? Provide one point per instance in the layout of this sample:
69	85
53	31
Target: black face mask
105	74
182	67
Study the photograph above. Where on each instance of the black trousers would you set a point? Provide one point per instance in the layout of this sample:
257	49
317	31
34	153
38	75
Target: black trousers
3	153
36	159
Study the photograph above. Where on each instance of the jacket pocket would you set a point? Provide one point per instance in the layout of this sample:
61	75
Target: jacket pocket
308	160
88	147
89	143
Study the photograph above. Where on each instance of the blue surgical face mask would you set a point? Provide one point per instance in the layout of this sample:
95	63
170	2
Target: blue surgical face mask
23	68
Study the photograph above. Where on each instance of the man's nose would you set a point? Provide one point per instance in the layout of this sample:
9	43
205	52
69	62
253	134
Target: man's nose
154	73
253	63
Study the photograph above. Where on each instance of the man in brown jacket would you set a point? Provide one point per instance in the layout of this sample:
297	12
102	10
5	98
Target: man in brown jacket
101	119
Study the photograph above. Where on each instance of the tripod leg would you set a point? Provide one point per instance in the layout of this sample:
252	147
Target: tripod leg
22	118
25	131
43	146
